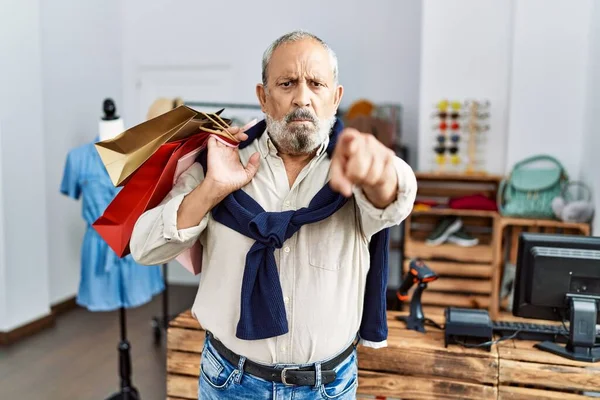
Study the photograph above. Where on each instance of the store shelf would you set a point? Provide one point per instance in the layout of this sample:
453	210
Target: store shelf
469	276
442	268
456	212
456	177
580	228
455	300
447	284
477	254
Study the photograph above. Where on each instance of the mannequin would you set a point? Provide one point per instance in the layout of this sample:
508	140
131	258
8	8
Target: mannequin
107	282
111	125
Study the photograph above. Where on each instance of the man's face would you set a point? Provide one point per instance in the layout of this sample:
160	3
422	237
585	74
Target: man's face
301	96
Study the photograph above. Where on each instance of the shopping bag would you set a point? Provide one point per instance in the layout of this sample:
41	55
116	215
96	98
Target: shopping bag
124	154
145	189
191	259
116	223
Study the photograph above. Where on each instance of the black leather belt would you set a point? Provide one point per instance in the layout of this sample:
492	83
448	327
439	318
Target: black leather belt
304	376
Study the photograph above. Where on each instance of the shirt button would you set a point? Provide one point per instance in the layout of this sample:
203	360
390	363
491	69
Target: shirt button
286	300
283	348
287	204
286	249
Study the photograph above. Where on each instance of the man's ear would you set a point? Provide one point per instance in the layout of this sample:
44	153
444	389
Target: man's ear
339	92
261	94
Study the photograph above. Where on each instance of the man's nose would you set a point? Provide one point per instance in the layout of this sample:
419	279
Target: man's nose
302	96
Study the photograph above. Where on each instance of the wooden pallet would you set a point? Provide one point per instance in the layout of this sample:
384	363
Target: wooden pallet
470	277
458	285
467	275
435	372
419	366
508	231
528	373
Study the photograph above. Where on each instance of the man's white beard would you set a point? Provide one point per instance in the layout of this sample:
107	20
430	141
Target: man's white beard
301	138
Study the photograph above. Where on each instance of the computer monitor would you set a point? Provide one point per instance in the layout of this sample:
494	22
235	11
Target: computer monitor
558	278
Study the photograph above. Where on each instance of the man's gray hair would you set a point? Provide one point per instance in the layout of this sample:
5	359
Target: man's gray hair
294	37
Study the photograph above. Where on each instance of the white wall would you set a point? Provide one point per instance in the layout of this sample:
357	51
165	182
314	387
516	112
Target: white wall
24	216
548	80
81	65
591	136
377	46
55	72
3	317
465	54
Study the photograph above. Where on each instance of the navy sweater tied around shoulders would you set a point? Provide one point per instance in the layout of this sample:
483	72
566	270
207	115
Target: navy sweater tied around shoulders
262	313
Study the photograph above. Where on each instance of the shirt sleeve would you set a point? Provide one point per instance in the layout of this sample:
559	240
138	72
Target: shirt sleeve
373	345
155	238
374	219
70	180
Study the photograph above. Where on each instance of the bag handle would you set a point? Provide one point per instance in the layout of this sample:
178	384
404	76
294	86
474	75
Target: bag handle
539	157
580	184
500	196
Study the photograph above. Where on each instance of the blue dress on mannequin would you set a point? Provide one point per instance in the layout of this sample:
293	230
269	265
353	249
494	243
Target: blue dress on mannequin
107	281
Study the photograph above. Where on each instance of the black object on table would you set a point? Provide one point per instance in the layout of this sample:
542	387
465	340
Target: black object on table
468	327
419	273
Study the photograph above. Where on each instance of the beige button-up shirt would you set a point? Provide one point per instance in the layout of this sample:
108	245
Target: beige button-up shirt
322	268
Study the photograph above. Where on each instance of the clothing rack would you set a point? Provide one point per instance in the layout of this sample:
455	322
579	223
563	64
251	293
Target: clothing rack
222	105
160	324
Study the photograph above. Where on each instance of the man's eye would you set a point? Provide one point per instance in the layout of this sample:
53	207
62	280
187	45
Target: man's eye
318	84
286	84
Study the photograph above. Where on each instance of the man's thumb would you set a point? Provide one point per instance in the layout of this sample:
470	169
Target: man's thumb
252	166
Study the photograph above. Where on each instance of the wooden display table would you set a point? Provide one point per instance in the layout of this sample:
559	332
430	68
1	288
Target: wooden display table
527	373
418	366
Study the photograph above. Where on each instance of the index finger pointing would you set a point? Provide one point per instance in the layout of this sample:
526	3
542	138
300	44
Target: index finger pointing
349	143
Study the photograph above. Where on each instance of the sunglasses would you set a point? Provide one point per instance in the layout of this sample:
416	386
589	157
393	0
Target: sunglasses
444	115
442	126
442	159
444	104
454	138
440	150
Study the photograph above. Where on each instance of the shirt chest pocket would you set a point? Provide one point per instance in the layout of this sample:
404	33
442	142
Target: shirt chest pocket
332	242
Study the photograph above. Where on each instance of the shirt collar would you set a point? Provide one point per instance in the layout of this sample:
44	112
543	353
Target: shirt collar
263	144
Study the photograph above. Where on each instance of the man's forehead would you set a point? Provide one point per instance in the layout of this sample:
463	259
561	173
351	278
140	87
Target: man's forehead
306	55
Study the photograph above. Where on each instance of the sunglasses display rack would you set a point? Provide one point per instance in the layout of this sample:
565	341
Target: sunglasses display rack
458	128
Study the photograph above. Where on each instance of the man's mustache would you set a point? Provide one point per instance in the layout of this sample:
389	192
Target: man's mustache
301	113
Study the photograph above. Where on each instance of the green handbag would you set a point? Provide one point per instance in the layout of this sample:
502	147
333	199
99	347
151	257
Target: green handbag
528	192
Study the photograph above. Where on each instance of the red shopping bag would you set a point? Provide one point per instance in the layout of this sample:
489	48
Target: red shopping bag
146	188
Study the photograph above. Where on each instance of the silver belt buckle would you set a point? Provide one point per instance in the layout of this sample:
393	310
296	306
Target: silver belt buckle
283	380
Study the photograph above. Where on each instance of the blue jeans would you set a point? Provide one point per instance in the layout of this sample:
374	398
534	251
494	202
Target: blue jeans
219	379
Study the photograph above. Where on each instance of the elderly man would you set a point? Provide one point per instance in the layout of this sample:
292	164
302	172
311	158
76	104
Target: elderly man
294	232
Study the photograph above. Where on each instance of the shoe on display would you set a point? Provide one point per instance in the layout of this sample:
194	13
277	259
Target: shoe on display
462	238
444	230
